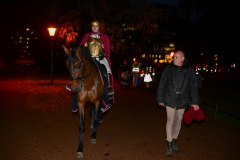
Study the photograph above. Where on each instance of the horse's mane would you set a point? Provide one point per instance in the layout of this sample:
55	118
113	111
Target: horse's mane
87	55
72	55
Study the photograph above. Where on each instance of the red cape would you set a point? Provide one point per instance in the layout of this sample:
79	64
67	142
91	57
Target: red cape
105	42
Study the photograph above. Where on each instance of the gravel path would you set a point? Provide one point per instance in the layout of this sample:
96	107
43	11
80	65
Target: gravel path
37	124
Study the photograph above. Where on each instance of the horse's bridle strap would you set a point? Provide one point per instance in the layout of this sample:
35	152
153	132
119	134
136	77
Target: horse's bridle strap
81	78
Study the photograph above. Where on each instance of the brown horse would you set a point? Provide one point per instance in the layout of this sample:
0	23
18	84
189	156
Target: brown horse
88	86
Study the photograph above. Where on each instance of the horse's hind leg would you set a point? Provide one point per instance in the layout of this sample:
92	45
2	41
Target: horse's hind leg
100	115
92	114
79	153
95	123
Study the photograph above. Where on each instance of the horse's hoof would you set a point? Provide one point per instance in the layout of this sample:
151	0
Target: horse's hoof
93	141
79	155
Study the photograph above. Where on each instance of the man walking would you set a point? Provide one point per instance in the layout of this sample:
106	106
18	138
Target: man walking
176	91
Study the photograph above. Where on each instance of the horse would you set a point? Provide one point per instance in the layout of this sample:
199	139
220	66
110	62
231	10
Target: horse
88	86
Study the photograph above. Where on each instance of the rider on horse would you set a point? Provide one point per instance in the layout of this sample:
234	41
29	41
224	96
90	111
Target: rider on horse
98	46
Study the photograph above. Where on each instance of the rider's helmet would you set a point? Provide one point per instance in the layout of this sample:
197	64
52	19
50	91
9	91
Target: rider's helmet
96	23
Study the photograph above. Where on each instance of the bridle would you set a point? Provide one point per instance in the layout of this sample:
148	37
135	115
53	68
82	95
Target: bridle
81	78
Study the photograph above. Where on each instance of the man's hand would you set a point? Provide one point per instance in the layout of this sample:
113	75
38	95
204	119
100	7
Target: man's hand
161	104
196	107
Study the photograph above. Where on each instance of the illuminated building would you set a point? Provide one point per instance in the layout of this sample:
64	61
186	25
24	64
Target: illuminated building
24	44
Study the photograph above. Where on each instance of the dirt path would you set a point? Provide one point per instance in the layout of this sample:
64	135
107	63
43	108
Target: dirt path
37	124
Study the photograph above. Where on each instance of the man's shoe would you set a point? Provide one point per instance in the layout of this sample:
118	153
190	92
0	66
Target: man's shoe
174	147
169	149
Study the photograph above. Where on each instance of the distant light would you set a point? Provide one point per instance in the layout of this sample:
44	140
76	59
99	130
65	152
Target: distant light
161	61
134	59
52	31
28	29
234	65
171	45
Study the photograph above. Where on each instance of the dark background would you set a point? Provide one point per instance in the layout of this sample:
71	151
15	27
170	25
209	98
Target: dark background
196	26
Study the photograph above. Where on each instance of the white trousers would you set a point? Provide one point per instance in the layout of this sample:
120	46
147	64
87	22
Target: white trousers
174	121
106	64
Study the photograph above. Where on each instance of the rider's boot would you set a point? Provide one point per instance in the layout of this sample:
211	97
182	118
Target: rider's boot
110	88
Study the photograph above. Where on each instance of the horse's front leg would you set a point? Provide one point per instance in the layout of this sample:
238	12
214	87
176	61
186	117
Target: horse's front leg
79	153
95	122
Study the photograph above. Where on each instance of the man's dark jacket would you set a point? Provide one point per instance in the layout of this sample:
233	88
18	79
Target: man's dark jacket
189	93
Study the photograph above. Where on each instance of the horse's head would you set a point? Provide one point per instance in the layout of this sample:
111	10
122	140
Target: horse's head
76	66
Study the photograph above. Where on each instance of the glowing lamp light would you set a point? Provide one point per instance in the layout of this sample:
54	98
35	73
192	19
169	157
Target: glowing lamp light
52	31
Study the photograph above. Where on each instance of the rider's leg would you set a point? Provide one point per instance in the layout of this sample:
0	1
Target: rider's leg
104	63
106	103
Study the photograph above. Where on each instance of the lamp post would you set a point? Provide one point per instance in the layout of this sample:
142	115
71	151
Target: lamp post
51	33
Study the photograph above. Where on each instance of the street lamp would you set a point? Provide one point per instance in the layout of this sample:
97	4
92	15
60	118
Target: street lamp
51	33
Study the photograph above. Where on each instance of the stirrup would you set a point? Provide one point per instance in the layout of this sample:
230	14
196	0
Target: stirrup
110	93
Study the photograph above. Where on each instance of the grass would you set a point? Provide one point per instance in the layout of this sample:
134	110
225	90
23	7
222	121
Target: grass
224	92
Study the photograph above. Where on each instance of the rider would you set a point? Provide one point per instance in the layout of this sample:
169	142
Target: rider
98	45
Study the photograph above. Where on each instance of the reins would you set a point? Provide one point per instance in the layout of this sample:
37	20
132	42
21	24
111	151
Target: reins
81	78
